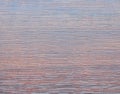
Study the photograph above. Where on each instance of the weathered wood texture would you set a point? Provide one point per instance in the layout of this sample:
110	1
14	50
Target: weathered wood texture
59	46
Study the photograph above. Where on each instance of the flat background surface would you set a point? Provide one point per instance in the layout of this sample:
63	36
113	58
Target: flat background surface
59	46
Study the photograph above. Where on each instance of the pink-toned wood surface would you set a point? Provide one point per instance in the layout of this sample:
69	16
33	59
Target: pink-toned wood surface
59	47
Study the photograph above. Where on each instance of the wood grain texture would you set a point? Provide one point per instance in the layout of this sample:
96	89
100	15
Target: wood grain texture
59	46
